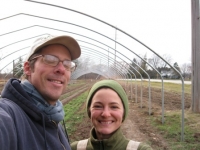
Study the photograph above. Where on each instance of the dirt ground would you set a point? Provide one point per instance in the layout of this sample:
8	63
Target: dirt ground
137	126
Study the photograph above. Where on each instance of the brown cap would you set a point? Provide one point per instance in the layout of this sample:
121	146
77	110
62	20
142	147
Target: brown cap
69	42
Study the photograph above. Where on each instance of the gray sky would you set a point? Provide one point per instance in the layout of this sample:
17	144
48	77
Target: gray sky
162	25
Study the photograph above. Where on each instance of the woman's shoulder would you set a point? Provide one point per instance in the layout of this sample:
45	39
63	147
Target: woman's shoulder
144	146
79	144
73	145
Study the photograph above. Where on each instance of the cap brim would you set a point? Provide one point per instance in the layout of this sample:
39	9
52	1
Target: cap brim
70	43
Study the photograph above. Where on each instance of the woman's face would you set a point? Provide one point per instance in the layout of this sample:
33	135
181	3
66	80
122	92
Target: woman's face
106	112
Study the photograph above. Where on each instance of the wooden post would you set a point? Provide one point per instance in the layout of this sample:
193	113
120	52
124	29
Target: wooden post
195	56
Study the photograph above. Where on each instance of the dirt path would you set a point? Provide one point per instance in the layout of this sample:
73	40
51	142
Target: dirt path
137	127
131	130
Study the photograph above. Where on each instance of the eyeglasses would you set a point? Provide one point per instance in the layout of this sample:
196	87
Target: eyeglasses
53	61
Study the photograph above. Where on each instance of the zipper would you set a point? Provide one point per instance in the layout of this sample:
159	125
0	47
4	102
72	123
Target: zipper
101	145
57	134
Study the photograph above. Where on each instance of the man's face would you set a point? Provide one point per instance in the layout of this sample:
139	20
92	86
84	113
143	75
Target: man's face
50	81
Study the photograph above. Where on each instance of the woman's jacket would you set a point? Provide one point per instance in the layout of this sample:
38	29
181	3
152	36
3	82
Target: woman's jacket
116	142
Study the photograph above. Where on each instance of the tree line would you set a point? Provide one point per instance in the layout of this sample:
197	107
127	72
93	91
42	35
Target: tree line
137	68
159	68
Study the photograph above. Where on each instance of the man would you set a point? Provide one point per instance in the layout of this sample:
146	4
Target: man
30	111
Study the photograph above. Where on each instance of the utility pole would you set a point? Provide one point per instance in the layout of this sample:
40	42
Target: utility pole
195	56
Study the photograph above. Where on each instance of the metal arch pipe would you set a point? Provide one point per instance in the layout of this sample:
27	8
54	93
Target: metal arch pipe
132	38
80	35
129	70
120	65
23	40
137	71
14	52
132	52
111	66
113	27
15	42
72	33
97	53
110	26
101	34
143	71
9	63
79	73
82	72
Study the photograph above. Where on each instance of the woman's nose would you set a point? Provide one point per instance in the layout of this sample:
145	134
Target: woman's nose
105	112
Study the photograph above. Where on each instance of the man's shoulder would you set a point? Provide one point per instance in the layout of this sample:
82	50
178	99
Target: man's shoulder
8	106
4	102
4	110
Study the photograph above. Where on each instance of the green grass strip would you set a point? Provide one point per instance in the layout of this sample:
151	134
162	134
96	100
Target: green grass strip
172	131
73	112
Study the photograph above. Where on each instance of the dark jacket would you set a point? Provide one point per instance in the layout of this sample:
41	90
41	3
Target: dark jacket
116	142
23	126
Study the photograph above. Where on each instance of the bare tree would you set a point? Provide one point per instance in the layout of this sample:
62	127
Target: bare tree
154	61
18	68
167	58
143	66
157	61
186	70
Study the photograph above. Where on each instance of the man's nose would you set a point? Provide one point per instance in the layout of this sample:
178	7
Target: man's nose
60	68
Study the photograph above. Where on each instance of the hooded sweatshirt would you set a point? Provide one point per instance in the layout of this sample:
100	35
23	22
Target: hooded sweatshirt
23	126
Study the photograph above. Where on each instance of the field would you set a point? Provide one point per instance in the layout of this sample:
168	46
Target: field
141	125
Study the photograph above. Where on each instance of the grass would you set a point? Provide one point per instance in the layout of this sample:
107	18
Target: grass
63	96
73	114
167	86
171	130
78	83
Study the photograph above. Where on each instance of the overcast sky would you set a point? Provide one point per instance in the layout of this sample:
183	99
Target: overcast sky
162	25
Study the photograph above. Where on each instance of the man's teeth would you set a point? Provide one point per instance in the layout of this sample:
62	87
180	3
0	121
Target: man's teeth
59	82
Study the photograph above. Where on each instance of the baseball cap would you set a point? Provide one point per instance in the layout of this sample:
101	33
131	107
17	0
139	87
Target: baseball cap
68	41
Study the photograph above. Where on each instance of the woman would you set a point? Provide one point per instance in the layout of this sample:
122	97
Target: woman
107	107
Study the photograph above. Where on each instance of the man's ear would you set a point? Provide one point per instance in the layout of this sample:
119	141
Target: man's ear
27	68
